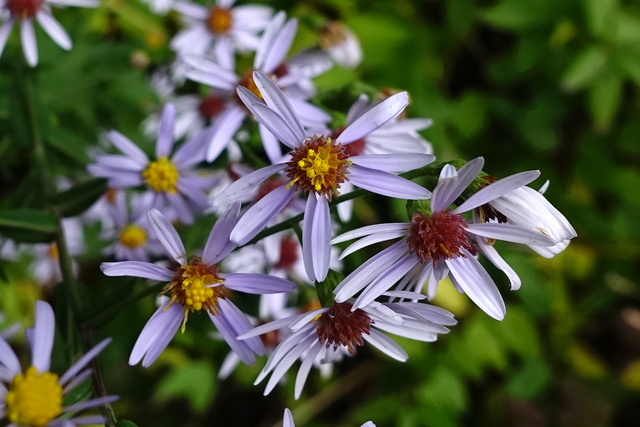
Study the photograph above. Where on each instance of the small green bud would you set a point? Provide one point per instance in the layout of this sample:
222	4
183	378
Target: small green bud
414	206
325	288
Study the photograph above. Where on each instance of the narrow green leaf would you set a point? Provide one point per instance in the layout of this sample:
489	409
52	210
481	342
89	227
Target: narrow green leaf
80	197
518	15
585	68
28	225
599	13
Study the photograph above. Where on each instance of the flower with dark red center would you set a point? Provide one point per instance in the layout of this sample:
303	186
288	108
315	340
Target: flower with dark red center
288	253
23	8
342	327
441	235
211	105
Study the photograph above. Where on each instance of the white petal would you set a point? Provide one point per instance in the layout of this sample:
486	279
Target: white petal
386	345
5	30
492	255
44	330
370	240
371	229
54	29
320	237
497	189
452	183
29	46
225	127
130	149
510	233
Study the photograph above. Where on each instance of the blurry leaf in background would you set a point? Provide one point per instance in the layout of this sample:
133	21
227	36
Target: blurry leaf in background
28	225
194	381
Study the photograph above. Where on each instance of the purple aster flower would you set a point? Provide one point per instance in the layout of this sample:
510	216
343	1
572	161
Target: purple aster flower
25	11
196	285
438	243
317	167
270	58
169	178
329	333
221	28
20	390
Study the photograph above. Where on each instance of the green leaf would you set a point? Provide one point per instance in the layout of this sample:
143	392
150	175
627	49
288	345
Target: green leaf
600	14
81	392
604	100
126	423
195	382
531	380
80	197
445	391
518	15
584	69
28	225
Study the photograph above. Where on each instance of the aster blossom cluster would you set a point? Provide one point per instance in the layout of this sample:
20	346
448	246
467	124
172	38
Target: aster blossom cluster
254	216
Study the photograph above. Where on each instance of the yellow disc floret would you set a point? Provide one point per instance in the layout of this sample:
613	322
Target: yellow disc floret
219	20
318	165
197	286
162	175
133	236
34	399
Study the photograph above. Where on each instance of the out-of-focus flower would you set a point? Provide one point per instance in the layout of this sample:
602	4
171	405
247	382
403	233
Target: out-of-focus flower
169	178
221	28
294	78
196	285
34	397
160	7
438	243
24	12
341	44
317	167
287	420
330	332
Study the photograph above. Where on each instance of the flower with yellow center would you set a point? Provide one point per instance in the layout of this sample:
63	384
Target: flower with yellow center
34	399
133	236
219	20
318	165
162	175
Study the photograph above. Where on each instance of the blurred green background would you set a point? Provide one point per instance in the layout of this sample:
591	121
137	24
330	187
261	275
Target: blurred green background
528	84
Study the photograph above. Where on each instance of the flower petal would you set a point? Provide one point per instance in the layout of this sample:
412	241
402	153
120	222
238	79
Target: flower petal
83	361
218	245
452	183
29	46
497	189
387	184
146	270
275	99
245	184
164	144
156	334
393	162
320	239
252	283
52	27
224	128
167	235
510	233
127	147
44	330
375	117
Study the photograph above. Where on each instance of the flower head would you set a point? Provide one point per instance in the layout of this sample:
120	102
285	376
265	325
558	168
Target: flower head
196	285
34	397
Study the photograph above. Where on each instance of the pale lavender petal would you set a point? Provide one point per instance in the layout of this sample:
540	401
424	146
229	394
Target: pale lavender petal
54	29
386	184
307	232
492	255
452	183
227	323
275	99
164	144
168	236
497	189
223	52
285	346
157	333
223	130
271	144
88	420
218	245
266	41
142	269
267	327
385	280
183	211
247	183
130	149
305	367
192	151
288	360
5	30
78	3
191	10
209	73
280	46
374	118
371	229
370	240
386	345
44	330
83	361
477	284
28	37
117	163
9	359
77	379
91	403
256	283
320	238
393	162
287	418
274	122
510	233
358	108
260	214
306	318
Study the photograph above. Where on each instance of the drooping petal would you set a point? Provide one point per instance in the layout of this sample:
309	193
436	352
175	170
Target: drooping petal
168	236
275	99
44	330
375	117
305	368
386	345
387	184
385	280
52	27
320	239
83	361
510	233
223	130
29	46
287	419
492	255
256	283
5	30
156	334
146	270
245	184
218	244
393	162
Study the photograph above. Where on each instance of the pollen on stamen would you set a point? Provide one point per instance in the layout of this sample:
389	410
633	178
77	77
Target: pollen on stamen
197	286
341	326
162	175
439	236
318	165
23	8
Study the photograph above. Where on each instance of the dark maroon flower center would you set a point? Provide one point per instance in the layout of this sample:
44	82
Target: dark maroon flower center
288	253
210	106
341	326
441	235
354	148
23	8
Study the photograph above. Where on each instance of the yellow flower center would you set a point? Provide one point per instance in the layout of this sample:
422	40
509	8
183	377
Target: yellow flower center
318	165
162	175
34	399
219	20
133	236
197	286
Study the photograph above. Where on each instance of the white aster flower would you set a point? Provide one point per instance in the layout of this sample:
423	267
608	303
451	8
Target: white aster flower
287	420
295	80
220	27
329	333
196	285
34	397
160	7
24	12
169	178
316	168
341	44
438	243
